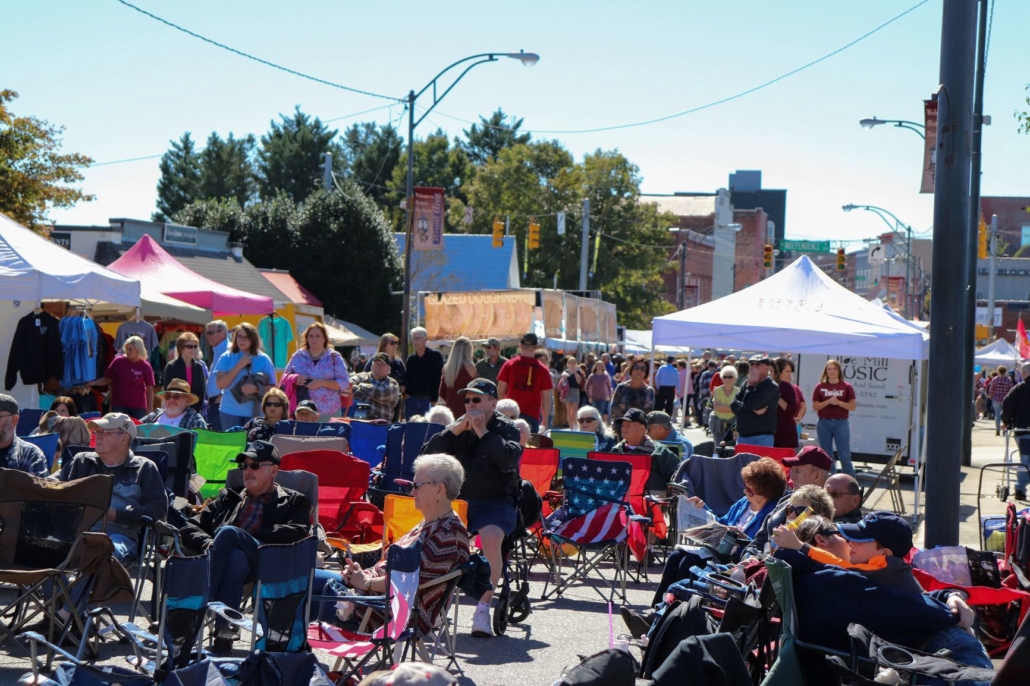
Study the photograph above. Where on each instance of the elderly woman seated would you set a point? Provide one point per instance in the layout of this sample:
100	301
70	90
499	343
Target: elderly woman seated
590	420
445	544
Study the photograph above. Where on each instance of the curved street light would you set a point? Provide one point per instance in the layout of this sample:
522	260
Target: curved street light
895	228
871	122
528	59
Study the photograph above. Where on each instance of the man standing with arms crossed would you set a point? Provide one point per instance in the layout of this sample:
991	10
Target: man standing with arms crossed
216	335
425	367
528	382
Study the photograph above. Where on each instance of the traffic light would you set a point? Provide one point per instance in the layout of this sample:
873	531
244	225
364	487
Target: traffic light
982	240
767	256
534	234
842	260
498	232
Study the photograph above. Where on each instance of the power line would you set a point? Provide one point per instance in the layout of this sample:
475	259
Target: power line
130	159
256	59
706	106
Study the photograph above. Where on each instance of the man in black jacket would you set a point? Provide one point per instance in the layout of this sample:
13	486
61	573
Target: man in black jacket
1015	413
237	522
487	445
755	405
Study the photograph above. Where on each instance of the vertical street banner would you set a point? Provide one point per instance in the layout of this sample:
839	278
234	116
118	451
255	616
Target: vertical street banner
896	293
930	148
427	219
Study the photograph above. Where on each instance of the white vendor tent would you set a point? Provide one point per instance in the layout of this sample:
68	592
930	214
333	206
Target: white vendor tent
343	334
33	269
800	310
639	341
998	352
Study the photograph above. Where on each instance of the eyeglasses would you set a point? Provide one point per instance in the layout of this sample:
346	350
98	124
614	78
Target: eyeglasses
275	404
587	420
100	433
5	415
241	336
473	399
639	367
795	509
191	345
254	466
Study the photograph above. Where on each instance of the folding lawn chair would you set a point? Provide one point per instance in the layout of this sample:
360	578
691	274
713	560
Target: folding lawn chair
366	439
716	480
299	480
28	421
179	446
404	443
214	454
46	543
160	431
291	427
593	518
287	445
647	522
281	597
776	454
539	466
290	669
48	443
572	443
355	650
342	484
444	635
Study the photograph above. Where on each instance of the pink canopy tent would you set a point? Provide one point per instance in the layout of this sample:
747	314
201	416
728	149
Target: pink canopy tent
154	267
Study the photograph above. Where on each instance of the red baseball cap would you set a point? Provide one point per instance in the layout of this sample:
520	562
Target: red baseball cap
813	455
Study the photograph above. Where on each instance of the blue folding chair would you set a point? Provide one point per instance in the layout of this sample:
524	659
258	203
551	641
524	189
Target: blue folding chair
366	439
28	421
86	416
291	427
404	443
48	444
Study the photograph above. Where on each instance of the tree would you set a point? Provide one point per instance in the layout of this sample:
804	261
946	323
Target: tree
227	169
372	154
484	141
32	169
216	214
1023	118
180	182
291	156
436	164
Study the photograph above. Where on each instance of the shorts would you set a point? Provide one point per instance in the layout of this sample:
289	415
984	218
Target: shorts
572	396
499	513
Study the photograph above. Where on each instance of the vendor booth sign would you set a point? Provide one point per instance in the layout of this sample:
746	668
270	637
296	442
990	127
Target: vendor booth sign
479	315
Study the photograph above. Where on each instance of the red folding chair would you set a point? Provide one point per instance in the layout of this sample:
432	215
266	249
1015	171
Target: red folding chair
772	453
641	534
342	483
539	467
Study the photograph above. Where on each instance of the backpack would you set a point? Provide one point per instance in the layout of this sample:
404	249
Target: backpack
609	667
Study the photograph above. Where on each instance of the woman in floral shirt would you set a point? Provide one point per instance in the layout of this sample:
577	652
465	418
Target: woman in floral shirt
321	370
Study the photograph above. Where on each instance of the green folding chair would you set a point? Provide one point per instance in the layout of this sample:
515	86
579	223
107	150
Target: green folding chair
215	454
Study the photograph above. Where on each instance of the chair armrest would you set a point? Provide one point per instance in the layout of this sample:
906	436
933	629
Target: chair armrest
453	574
640	519
37	638
236	618
676	489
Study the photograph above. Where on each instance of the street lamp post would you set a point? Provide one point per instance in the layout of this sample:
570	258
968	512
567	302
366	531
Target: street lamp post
870	122
898	224
528	59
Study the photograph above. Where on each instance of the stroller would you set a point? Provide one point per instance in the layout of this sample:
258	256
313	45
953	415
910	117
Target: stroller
512	606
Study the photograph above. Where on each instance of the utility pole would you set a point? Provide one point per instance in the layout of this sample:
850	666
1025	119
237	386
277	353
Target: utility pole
992	246
584	249
327	172
681	293
949	414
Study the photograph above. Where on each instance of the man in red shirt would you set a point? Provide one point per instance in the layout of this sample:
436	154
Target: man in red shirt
527	381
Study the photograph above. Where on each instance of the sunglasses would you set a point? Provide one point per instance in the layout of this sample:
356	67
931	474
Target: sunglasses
639	368
828	533
191	345
394	343
475	400
587	420
795	510
275	404
210	333
253	466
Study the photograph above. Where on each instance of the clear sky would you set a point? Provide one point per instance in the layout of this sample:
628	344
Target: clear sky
123	85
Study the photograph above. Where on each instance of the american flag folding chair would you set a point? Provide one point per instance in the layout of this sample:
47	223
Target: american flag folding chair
381	648
593	519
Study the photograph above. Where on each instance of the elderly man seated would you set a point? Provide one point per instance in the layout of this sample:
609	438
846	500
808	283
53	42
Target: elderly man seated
635	440
377	388
237	522
660	428
138	488
14	452
307	411
177	399
847	498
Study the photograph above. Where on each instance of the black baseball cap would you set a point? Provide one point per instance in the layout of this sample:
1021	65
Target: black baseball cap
633	415
260	451
480	387
529	339
307	405
760	359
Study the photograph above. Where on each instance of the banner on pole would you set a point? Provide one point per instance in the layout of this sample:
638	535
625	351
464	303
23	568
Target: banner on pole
930	148
427	219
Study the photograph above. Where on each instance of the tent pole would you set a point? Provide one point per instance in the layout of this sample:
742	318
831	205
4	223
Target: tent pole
917	396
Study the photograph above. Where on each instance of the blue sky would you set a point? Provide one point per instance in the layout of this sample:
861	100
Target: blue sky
123	85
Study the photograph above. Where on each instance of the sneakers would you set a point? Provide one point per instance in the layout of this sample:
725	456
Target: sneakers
481	624
638	623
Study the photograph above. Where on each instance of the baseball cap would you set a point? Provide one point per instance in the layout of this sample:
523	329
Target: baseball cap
8	404
307	405
529	339
813	455
659	418
760	359
381	357
493	342
886	528
480	387
260	451
112	421
633	415
410	674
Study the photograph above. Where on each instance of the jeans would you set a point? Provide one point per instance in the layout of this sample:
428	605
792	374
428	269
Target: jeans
233	563
231	420
134	412
764	440
602	406
836	432
964	647
718	426
125	548
325	611
534	423
214	417
415	405
997	415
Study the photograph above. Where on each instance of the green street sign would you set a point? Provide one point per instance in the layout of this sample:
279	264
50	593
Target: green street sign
805	246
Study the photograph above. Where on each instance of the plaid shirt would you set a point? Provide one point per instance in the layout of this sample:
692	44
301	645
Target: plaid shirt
383	395
249	516
999	388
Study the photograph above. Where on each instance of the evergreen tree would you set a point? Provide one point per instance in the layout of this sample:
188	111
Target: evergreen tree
484	141
179	184
291	156
372	154
227	169
436	164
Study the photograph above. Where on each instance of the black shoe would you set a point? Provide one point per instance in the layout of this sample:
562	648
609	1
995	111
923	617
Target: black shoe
637	623
222	646
1020	495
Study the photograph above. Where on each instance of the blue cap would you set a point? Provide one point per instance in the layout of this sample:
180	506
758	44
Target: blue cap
886	528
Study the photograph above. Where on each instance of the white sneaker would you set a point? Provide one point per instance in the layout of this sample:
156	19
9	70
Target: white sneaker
481	624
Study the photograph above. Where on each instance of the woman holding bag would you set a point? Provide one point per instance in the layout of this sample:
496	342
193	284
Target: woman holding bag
321	369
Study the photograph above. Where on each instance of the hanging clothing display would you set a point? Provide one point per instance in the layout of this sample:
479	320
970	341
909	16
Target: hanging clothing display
276	336
80	342
36	351
141	328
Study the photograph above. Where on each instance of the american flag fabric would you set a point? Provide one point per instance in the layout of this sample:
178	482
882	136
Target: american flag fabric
593	510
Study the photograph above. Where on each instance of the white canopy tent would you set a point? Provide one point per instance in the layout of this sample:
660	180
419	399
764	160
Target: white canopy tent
639	341
801	310
998	352
32	270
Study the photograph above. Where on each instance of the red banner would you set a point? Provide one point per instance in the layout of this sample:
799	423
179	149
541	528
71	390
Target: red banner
427	219
1024	344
